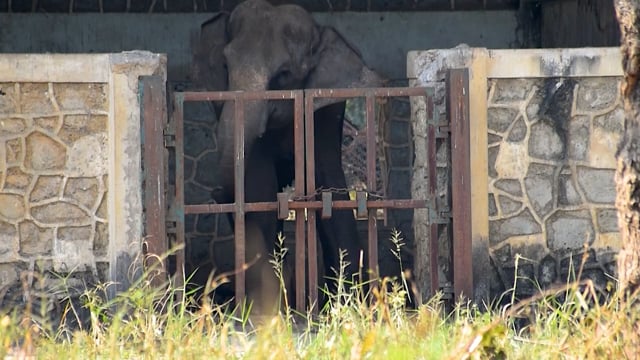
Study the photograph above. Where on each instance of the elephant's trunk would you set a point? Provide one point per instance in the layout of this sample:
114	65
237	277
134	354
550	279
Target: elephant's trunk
255	119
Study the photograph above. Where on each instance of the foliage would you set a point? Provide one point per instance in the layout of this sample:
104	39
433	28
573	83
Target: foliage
153	322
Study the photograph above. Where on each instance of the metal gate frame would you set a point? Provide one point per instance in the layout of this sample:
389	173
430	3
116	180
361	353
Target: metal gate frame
303	100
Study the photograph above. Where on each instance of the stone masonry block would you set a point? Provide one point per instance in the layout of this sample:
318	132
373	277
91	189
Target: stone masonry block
8	275
492	158
46	187
612	121
502	255
493	207
87	157
499	119
525	281
510	186
508	91
598	184
75	127
198	139
206	173
400	157
548	271
545	142
76	96
14	151
16	179
35	99
596	94
508	206
607	220
8	99
518	131
35	240
102	208
569	230
44	153
521	224
567	193
578	138
493	139
74	233
60	213
540	187
83	190
512	161
603	146
11	207
48	123
399	132
8	239
10	127
101	239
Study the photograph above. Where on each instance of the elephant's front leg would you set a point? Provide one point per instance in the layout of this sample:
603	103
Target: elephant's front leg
339	231
261	185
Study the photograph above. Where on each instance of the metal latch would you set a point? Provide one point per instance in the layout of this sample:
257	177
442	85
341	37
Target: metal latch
169	136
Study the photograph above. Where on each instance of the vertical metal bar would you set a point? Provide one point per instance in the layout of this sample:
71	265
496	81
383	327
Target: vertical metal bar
371	182
433	225
298	136
311	214
179	195
238	138
154	117
458	110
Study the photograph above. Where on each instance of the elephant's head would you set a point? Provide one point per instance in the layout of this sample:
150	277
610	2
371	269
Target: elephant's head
264	47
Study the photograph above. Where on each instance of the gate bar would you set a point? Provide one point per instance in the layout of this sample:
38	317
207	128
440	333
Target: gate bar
312	248
301	205
239	203
154	116
458	110
434	249
372	233
245	95
178	208
298	158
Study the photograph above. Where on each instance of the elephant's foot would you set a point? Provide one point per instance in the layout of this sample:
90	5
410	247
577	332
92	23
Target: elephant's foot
262	286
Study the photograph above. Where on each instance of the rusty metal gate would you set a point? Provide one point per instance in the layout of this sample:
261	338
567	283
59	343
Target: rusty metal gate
165	218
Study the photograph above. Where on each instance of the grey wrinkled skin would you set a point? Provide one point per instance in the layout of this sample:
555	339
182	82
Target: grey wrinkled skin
264	47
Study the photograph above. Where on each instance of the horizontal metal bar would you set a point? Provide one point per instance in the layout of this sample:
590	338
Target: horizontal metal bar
362	92
244	95
297	205
291	94
227	208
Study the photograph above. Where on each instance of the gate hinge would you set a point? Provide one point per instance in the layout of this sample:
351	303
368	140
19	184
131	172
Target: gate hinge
443	131
169	136
439	217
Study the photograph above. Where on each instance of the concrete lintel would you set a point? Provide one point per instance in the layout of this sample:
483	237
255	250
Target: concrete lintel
526	63
576	62
79	68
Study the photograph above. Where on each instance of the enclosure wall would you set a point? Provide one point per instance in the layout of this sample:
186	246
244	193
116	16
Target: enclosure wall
70	198
545	125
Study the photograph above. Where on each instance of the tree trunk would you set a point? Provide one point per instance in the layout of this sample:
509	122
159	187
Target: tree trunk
628	171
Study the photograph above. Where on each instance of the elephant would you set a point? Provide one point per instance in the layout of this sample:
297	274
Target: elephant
259	46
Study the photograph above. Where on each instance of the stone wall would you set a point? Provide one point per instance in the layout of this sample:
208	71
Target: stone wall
67	126
545	127
551	165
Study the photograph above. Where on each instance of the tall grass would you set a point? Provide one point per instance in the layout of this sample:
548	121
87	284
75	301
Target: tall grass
358	322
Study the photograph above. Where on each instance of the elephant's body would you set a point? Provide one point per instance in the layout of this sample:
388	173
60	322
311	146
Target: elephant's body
262	47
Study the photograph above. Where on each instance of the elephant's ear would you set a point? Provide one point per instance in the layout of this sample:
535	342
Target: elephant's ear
339	64
208	67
